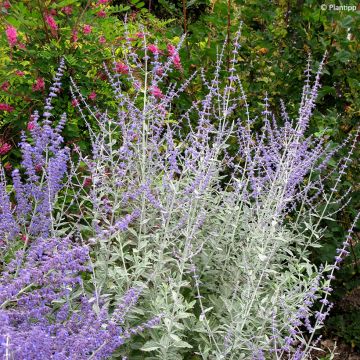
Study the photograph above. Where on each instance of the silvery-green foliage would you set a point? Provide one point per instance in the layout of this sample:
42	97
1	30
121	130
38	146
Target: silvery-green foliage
224	259
49	309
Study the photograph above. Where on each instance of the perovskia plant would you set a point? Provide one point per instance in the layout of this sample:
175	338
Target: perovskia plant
45	311
221	262
246	264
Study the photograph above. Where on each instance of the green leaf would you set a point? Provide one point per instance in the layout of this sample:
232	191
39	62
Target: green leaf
342	56
347	21
175	337
64	3
150	346
182	344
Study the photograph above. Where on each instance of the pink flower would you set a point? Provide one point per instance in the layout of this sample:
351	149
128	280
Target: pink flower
140	35
102	75
67	10
102	40
102	2
159	71
53	12
22	46
176	61
101	13
11	35
24	238
154	49
74	36
51	22
5	148
6	4
121	68
38	167
87	182
74	102
19	73
175	56
171	49
92	96
39	84
156	92
5	86
87	29
30	126
6	107
8	166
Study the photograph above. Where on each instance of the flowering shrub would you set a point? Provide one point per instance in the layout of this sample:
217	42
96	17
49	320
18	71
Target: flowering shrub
228	259
216	242
45	311
84	33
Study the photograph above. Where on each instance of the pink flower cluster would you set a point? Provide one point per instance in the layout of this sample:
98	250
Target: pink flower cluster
154	49
5	148
31	125
92	96
172	52
121	68
5	4
159	71
87	182
101	13
74	36
51	22
5	86
11	35
67	10
87	29
6	107
174	55
39	84
8	166
156	92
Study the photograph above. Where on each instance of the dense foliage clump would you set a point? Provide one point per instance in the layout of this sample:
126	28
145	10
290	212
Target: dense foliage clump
201	220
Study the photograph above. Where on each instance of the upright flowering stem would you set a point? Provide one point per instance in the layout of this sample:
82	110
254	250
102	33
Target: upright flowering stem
342	253
143	133
11	34
161	215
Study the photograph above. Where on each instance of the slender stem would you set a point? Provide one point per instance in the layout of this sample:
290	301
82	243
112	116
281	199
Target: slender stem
7	353
228	33
43	19
2	306
184	5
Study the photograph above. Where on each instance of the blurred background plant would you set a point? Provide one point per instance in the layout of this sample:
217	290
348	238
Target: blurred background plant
35	34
